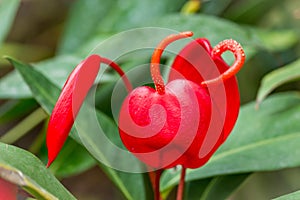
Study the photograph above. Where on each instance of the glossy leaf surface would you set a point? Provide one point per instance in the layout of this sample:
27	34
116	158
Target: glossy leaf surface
286	74
27	171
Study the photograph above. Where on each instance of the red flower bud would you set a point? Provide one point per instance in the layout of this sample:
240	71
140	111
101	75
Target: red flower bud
70	100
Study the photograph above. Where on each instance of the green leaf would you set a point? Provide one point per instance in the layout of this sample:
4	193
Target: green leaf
27	171
133	13
213	28
216	188
222	187
261	140
46	94
249	11
88	18
82	23
288	73
194	189
16	50
56	69
291	196
8	9
215	7
24	126
15	109
72	160
277	40
202	25
217	29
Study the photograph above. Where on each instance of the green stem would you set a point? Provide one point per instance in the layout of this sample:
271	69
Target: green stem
24	126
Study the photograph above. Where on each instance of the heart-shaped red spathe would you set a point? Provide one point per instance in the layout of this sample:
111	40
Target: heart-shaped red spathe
164	130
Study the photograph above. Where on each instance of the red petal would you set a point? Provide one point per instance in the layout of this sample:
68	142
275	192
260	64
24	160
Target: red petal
195	62
69	103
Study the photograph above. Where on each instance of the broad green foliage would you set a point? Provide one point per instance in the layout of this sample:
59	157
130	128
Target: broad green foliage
12	110
278	77
78	159
243	11
202	26
82	23
266	133
27	171
87	18
219	187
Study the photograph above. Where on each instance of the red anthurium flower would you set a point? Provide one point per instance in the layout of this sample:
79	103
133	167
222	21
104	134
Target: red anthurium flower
180	123
169	126
70	100
8	191
186	120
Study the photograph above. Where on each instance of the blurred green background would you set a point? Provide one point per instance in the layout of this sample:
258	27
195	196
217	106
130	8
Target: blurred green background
42	30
